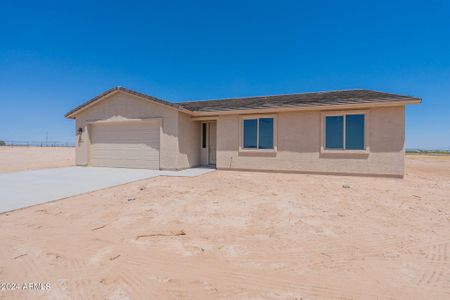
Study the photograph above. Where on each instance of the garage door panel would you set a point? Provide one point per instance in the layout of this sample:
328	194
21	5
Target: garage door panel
105	149
113	142
128	145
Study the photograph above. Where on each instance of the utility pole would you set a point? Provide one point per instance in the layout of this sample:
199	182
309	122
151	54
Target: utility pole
46	139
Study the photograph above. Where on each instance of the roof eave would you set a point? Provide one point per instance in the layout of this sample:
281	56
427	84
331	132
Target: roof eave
71	114
311	107
74	112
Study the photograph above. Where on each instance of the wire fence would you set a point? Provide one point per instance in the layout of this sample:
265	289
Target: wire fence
421	151
7	143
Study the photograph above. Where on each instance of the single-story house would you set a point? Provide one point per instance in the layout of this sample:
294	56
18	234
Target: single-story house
337	132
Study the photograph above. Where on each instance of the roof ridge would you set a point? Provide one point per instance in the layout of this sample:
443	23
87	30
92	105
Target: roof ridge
276	95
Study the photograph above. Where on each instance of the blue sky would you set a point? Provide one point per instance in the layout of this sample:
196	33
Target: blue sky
55	55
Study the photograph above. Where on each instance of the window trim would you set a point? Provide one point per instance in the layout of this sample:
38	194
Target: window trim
241	133
343	113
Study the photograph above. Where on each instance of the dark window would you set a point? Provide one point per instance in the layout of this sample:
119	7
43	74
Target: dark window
203	135
354	132
345	133
250	133
258	133
266	133
334	132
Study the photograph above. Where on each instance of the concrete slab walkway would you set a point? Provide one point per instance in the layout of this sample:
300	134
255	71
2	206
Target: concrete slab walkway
22	189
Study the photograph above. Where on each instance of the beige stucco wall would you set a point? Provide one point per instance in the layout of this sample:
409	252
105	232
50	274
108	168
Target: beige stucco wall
189	142
126	106
298	139
299	145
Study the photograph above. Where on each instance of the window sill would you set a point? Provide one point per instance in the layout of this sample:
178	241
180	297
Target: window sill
344	154
341	151
257	152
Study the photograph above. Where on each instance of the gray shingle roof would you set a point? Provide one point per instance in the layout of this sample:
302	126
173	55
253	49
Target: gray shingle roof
295	100
292	100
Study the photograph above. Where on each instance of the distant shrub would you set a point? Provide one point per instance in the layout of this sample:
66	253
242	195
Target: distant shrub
2	143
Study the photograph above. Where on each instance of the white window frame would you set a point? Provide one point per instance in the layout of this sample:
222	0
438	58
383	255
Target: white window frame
252	117
323	148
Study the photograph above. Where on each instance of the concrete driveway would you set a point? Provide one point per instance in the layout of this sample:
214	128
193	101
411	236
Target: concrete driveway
28	188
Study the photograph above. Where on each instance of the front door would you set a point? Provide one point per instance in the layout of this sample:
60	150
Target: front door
212	143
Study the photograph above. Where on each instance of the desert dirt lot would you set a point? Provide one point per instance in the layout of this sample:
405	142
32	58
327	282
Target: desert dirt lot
13	159
240	235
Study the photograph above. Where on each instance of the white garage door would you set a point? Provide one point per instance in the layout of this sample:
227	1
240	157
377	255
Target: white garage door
125	144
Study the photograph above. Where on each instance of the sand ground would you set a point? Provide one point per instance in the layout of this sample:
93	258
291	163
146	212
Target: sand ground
13	159
240	235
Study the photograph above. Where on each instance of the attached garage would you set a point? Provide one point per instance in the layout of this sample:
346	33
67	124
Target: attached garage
128	144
